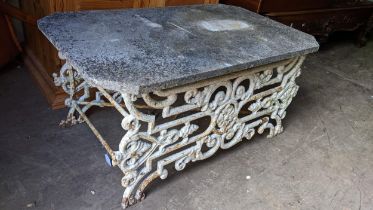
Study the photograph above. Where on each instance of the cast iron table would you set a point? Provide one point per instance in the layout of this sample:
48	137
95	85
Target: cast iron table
165	69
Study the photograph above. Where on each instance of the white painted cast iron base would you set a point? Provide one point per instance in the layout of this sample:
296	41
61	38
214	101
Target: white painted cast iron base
236	106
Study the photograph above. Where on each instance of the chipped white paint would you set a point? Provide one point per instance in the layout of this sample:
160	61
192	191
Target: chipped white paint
237	106
224	25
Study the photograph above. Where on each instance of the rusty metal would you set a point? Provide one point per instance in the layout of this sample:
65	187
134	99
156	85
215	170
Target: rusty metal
97	134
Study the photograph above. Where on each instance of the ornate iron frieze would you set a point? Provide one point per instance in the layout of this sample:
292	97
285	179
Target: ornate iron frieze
233	107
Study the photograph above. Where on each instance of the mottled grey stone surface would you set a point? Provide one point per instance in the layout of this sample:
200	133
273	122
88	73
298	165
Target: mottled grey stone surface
140	50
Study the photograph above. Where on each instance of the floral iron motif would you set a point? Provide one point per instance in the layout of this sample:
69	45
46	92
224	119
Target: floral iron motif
237	105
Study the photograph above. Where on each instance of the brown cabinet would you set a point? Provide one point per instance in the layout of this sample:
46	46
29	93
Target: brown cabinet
317	17
41	57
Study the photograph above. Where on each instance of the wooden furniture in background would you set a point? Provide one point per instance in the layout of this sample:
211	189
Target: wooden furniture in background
317	17
41	57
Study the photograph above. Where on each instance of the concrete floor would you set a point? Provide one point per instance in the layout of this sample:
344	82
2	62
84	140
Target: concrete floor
323	160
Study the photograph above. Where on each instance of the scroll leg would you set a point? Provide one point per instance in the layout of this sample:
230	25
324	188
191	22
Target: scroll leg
71	119
68	81
134	194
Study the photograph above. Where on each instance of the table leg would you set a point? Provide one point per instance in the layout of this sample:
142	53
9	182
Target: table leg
80	93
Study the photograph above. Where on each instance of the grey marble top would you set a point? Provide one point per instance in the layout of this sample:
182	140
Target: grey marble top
141	50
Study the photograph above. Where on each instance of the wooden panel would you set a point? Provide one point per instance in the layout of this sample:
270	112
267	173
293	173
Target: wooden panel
152	3
264	6
185	2
62	5
106	4
252	5
55	96
316	17
324	22
293	5
43	53
163	3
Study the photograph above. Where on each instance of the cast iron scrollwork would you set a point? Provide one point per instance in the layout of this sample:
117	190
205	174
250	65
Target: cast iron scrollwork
180	140
237	106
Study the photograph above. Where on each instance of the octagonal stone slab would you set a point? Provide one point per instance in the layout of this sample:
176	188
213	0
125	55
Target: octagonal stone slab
142	50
